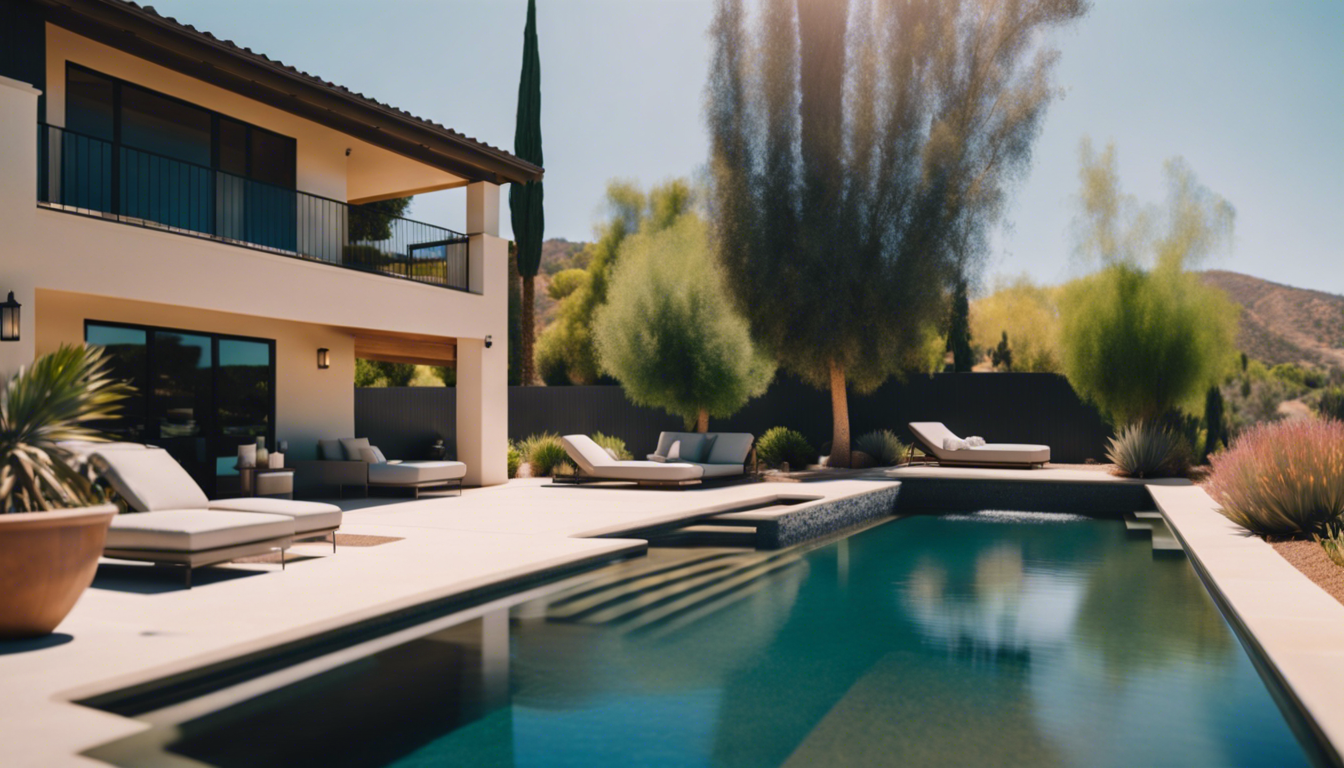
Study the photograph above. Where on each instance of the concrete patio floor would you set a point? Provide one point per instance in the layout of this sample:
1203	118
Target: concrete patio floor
135	625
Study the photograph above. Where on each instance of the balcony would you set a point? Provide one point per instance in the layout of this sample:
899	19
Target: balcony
90	176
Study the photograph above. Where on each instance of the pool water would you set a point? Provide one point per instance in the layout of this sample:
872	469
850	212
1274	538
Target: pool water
966	640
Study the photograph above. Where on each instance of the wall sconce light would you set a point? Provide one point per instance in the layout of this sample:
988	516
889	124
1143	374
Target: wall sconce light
324	358
9	319
489	340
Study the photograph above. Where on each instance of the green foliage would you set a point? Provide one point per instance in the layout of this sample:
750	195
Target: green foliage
376	373
515	460
552	368
526	200
1149	449
959	330
1143	335
49	402
1215	428
1331	405
568	343
515	320
614	444
1002	355
1283	479
372	222
1029	315
781	444
859	155
885	449
545	454
446	374
669	333
566	282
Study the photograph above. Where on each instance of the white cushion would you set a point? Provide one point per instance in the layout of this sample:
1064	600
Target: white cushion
351	445
194	530
594	462
307	515
674	451
150	480
330	450
371	456
730	448
587	454
411	472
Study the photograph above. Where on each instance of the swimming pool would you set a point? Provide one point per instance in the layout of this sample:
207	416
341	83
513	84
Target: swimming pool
967	639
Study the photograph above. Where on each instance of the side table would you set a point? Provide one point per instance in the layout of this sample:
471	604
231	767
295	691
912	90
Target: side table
265	481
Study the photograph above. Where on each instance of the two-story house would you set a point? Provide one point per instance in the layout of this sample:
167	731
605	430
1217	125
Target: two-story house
202	211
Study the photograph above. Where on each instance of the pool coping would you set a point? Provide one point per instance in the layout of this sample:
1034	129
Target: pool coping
1294	629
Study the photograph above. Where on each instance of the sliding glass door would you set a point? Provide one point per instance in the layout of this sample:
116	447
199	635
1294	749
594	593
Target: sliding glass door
198	395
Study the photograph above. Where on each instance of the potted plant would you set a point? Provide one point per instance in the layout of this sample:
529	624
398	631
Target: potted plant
52	519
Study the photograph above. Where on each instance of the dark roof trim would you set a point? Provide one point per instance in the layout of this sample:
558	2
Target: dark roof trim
182	48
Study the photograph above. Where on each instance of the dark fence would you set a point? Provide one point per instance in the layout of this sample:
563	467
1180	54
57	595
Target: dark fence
1001	407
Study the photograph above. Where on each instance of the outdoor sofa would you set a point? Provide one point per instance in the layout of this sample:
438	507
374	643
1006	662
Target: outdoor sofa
681	459
935	438
353	462
176	524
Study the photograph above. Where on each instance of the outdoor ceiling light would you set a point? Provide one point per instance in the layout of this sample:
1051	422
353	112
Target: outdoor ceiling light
323	358
9	319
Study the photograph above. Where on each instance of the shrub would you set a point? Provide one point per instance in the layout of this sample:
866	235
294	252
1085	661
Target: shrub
1283	478
1333	543
1331	405
614	444
1027	313
545	454
1149	449
515	460
1215	430
781	444
883	446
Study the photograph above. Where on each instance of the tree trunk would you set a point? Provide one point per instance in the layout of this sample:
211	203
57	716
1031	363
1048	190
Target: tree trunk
702	421
839	417
529	333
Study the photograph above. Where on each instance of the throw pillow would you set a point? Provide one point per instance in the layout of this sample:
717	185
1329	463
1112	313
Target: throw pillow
330	450
707	448
371	456
674	451
351	446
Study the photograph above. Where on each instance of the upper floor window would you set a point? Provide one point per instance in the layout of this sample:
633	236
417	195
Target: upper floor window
116	111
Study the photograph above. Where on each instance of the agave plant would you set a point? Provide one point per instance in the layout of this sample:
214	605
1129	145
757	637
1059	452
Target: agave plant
1149	449
883	446
51	401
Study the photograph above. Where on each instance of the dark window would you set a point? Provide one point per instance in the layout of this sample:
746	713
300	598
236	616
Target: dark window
89	104
198	395
164	126
232	147
272	158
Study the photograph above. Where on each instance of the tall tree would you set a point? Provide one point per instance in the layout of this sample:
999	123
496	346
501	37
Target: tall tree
855	155
525	200
515	319
959	330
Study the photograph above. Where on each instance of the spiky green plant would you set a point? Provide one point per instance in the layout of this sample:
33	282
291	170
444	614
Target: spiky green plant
1283	478
515	460
1149	449
614	444
883	446
1333	543
781	444
545	454
53	400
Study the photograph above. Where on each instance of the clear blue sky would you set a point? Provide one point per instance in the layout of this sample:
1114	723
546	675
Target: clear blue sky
1248	91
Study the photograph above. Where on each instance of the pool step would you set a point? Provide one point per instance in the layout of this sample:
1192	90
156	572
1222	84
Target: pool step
708	535
668	593
1152	522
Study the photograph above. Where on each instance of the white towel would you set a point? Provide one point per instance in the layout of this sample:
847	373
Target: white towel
975	442
954	444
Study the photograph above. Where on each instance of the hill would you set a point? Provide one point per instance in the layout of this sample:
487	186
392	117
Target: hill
1283	324
556	254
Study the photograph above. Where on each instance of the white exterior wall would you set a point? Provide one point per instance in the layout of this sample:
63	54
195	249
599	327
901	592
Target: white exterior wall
46	250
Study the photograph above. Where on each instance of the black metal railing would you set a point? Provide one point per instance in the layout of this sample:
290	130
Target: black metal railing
88	175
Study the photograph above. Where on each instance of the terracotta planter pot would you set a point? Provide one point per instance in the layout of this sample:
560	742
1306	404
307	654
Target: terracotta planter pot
47	560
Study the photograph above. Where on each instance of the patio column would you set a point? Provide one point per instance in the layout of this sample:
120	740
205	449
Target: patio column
483	373
18	212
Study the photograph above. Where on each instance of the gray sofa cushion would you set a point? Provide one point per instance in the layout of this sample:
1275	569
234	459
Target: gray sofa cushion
307	515
194	530
351	446
330	450
150	480
720	470
730	448
413	472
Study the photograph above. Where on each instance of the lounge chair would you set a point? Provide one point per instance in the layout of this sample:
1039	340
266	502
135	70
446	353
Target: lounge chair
176	523
707	457
934	437
354	462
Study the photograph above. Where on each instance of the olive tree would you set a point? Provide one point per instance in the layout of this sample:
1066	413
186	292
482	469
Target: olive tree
669	333
860	153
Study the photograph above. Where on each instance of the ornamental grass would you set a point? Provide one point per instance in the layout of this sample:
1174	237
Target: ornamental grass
1283	478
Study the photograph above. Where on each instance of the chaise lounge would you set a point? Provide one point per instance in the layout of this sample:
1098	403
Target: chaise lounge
682	459
936	439
175	523
354	462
